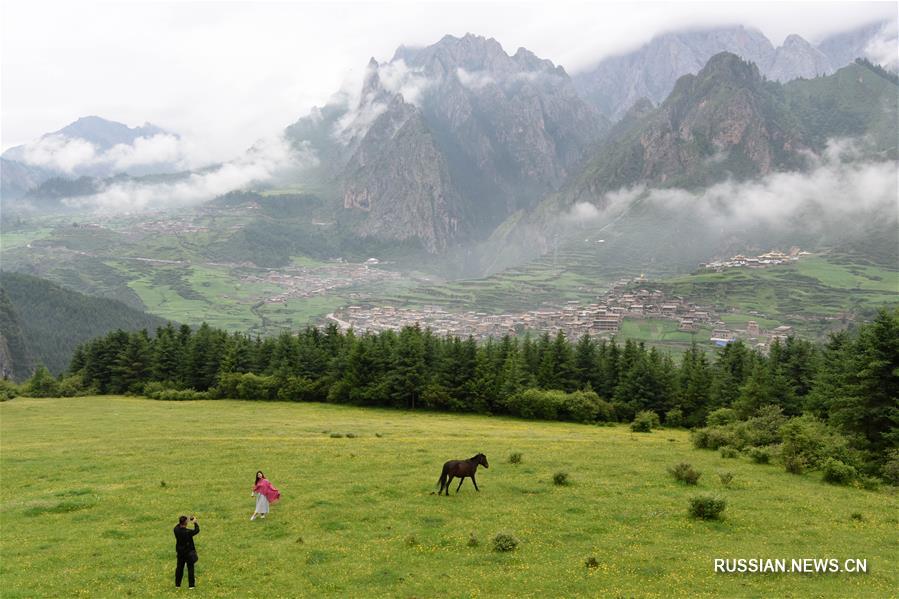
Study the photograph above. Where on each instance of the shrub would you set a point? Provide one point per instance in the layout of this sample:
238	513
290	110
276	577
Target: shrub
707	507
890	469
561	479
336	435
764	428
504	542
674	418
350	435
179	395
298	388
473	540
8	390
760	455
645	421
42	384
591	562
838	473
726	478
700	438
721	417
812	441
794	464
515	458
685	473
857	516
729	452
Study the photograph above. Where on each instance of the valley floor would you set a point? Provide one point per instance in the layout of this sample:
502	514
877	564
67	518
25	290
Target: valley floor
93	486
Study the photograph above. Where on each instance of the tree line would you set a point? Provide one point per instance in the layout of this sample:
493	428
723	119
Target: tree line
850	383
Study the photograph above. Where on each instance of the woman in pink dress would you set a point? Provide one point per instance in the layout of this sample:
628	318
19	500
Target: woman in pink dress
265	495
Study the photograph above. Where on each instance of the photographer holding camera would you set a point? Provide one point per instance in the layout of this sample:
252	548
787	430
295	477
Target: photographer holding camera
184	548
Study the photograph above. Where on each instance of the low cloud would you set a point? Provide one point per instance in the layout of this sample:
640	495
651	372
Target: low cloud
76	156
264	163
474	80
60	153
883	49
838	187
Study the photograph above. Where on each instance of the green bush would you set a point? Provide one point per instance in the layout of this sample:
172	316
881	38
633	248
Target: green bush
42	384
515	458
591	562
578	406
838	473
729	452
700	438
794	464
674	418
760	455
721	417
726	478
8	390
685	473
473	540
707	507
180	395
764	428
810	440
504	542
645	421
561	479
889	471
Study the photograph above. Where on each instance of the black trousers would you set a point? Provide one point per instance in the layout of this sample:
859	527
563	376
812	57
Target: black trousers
179	572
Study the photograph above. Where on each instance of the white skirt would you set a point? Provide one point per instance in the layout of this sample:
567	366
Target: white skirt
261	504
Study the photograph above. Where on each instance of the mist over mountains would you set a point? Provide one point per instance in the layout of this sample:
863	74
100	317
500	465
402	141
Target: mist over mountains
650	72
460	142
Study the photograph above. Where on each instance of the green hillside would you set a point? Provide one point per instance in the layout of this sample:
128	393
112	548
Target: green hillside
358	517
54	320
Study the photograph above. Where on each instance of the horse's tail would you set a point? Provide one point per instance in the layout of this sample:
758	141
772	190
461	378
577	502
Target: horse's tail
442	480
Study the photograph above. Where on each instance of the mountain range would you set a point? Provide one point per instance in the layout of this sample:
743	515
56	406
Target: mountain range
617	82
88	147
446	144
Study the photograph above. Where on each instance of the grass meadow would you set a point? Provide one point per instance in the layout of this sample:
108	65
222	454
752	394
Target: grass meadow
93	486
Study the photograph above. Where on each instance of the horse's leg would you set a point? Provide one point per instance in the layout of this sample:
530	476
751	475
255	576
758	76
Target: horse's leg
475	483
461	480
449	481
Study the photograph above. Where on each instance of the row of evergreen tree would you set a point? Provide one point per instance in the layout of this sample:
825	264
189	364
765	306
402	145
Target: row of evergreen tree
851	382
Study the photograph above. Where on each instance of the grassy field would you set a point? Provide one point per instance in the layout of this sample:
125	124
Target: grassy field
93	486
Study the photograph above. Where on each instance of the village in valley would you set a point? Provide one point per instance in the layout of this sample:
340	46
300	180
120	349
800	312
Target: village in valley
603	318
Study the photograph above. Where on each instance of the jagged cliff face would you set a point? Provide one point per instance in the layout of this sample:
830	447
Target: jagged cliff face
716	123
729	122
444	142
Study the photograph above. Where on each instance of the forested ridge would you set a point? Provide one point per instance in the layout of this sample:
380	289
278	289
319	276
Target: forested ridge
52	321
843	395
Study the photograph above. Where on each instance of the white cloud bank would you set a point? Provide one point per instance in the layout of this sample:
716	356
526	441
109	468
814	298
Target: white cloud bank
74	156
839	187
263	163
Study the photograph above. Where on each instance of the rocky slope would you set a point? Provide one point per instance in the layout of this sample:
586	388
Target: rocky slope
444	142
729	122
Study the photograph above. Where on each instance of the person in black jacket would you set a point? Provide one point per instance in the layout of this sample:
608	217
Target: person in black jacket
184	548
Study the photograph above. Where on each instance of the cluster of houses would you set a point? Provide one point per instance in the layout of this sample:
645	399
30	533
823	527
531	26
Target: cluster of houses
761	261
303	282
600	319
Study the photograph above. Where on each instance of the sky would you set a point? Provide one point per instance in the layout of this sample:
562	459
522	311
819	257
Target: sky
224	75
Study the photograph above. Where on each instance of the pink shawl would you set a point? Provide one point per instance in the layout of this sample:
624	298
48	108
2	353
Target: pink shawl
263	487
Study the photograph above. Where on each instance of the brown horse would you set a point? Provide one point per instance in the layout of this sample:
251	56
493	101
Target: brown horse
461	469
